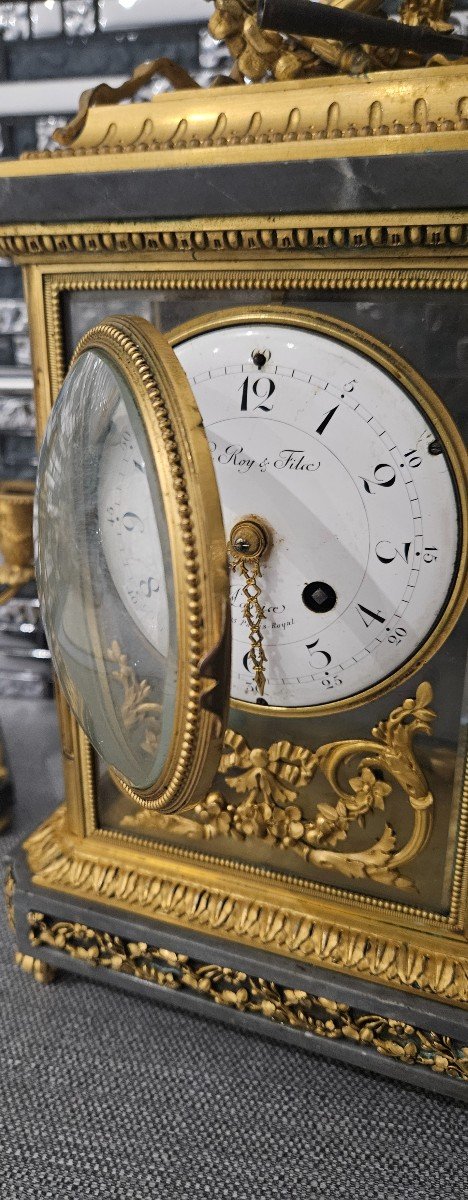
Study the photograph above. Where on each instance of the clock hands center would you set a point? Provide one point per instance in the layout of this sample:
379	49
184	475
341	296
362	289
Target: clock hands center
249	542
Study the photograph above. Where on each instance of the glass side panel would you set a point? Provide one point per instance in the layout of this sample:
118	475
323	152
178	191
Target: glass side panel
104	571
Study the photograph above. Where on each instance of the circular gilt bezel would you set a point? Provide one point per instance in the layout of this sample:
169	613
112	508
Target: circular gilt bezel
192	511
431	405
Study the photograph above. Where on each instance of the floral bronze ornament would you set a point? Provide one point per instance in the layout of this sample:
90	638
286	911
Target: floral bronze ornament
435	13
261	53
237	990
268	782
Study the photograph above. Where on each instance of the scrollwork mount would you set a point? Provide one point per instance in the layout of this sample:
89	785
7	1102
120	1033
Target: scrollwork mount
267	782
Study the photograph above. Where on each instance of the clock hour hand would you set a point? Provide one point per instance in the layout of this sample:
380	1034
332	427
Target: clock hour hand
248	543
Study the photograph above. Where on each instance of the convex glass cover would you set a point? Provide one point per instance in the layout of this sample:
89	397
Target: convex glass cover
131	564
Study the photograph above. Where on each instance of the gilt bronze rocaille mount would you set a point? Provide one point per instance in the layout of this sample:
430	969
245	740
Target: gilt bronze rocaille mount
268	782
258	50
319	889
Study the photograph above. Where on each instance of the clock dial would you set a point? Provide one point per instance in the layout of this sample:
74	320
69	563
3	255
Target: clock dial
334	453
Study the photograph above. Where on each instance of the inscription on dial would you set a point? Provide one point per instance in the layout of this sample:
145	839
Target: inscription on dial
335	456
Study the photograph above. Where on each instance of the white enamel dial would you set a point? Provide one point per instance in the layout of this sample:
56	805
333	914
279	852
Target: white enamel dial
129	533
332	453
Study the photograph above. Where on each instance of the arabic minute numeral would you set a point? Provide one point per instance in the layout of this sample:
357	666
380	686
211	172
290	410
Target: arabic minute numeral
397	636
413	458
261	388
368	616
430	554
328	682
384	476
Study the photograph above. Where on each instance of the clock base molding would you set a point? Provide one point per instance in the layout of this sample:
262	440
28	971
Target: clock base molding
416	1040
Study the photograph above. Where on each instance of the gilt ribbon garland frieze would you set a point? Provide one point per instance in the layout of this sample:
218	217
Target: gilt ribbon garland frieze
267	782
228	988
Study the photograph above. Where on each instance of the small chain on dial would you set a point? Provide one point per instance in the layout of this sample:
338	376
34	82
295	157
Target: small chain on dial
247	544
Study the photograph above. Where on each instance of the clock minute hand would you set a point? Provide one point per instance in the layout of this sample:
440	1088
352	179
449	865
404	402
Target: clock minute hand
306	18
248	543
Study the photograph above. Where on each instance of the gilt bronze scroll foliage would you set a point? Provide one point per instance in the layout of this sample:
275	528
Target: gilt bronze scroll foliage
228	988
268	781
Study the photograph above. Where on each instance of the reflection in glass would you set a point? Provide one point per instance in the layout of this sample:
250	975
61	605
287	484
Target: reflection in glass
104	571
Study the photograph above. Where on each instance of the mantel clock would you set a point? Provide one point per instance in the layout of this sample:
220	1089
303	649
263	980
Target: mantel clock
251	531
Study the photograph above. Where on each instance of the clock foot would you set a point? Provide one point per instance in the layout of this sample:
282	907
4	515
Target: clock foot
41	972
5	820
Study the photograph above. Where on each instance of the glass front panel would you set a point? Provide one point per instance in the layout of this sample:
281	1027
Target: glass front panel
104	571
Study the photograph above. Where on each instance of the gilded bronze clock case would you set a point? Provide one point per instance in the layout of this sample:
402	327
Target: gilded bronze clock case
348	195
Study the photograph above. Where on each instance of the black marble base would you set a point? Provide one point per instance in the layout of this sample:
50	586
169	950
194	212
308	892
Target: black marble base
112	963
362	183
